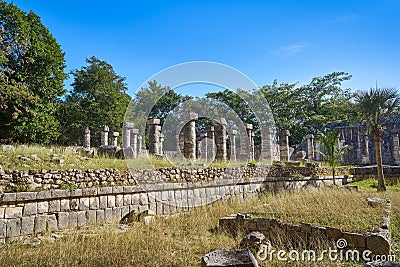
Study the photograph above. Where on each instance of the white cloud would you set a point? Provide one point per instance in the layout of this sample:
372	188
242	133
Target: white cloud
341	19
288	50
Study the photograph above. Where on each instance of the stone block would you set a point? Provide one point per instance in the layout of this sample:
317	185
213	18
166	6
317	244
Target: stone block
84	203
100	216
13	227
318	232
89	192
27	225
91	216
127	200
117	214
125	211
59	193
63	220
108	215
22	196
377	244
82	221
2	210
119	200
76	192
73	219
42	195
30	208
94	203
64	204
111	201
74	204
144	200
3	228
117	189
105	190
354	240
9	197
13	212
333	234
103	202
51	223
54	205
40	224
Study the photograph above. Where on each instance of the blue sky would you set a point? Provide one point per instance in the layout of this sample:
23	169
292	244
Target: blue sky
291	41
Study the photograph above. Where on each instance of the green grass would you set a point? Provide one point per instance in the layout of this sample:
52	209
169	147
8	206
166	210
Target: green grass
181	240
372	185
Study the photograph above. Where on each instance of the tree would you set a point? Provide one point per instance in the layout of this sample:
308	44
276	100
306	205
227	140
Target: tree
376	106
330	140
308	108
98	98
31	75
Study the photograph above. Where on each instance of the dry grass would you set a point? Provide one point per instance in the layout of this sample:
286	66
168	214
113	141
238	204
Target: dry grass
333	207
181	240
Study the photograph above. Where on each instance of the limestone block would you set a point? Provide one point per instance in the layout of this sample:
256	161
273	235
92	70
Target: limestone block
94	203
51	223
76	192
103	202
54	205
64	204
127	200
108	215
9	197
58	193
27	225
81	218
42	195
119	200
63	220
333	234
74	204
117	214
26	196
3	228
91	216
30	208
89	192
143	198
13	212
73	219
100	216
354	240
40	224
117	189
111	201
105	190
13	227
84	203
378	244
2	210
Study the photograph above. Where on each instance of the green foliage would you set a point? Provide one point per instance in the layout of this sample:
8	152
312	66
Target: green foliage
375	107
308	108
330	140
31	77
98	98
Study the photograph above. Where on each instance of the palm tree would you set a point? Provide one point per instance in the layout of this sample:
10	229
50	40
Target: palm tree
376	107
330	140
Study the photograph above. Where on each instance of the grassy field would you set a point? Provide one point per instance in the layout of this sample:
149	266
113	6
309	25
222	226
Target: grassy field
184	239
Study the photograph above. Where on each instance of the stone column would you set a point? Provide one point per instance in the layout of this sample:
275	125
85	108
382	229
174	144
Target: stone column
140	144
267	144
364	148
233	145
86	138
126	133
249	131
189	137
104	135
210	142
284	145
310	146
220	139
154	135
134	142
396	148
115	138
161	145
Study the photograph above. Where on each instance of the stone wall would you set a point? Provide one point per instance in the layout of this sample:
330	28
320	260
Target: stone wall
30	213
392	173
11	181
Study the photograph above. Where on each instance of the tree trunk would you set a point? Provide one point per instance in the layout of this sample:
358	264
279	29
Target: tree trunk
381	177
333	175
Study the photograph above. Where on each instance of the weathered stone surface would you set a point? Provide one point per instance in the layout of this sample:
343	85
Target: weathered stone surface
26	196
378	244
64	205
333	234
63	220
111	201
226	257
40	224
51	223
84	203
9	197
94	203
13	227
354	240
13	212
3	228
30	208
58	193
27	225
54	205
91	216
